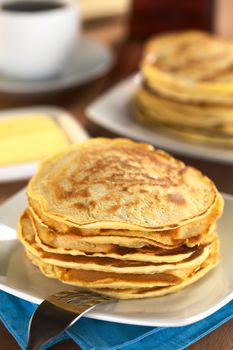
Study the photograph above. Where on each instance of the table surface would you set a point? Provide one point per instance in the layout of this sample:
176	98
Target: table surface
75	101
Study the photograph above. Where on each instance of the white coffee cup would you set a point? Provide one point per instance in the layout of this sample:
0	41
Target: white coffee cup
37	44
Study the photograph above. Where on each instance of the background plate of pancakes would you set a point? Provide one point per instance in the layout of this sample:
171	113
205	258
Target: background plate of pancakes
121	257
113	111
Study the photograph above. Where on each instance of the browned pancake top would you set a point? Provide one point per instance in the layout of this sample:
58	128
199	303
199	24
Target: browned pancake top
120	182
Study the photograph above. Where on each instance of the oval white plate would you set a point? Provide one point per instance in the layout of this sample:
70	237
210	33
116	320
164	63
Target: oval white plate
111	111
90	59
19	277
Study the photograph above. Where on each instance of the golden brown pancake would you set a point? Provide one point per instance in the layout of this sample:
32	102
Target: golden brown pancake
191	258
74	238
191	66
184	115
186	88
26	232
132	187
221	134
121	218
74	277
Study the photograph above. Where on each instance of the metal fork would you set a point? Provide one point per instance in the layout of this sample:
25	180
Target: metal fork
58	312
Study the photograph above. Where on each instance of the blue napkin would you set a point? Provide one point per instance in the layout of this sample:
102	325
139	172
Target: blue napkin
100	335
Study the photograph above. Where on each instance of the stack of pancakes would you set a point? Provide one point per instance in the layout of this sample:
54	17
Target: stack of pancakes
187	87
121	218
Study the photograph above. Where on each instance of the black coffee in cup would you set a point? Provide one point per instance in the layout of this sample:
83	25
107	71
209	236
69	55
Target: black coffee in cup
31	6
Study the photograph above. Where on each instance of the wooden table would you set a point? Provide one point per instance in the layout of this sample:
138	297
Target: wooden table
75	101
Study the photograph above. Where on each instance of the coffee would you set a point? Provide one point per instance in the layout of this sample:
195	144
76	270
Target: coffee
31	6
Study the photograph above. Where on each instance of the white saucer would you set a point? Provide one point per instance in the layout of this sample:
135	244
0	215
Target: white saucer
19	277
90	59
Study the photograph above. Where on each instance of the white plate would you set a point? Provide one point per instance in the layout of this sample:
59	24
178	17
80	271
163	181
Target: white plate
89	60
19	277
112	112
71	127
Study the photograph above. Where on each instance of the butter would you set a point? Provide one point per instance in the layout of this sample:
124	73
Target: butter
28	138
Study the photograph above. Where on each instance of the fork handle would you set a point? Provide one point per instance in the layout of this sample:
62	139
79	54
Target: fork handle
49	325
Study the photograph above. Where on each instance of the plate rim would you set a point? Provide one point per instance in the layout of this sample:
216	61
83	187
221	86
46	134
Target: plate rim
127	320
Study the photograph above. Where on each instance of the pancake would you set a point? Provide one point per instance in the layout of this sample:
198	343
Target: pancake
96	279
100	279
46	269
191	66
205	135
187	87
121	266
73	237
174	113
121	218
145	254
156	292
132	293
133	187
195	136
105	264
192	135
148	254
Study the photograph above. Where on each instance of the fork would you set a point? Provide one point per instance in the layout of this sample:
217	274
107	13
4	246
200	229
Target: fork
58	312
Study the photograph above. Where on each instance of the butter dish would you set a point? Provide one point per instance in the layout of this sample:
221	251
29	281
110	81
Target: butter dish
38	132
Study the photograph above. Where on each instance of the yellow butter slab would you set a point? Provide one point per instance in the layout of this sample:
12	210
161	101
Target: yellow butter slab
28	138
